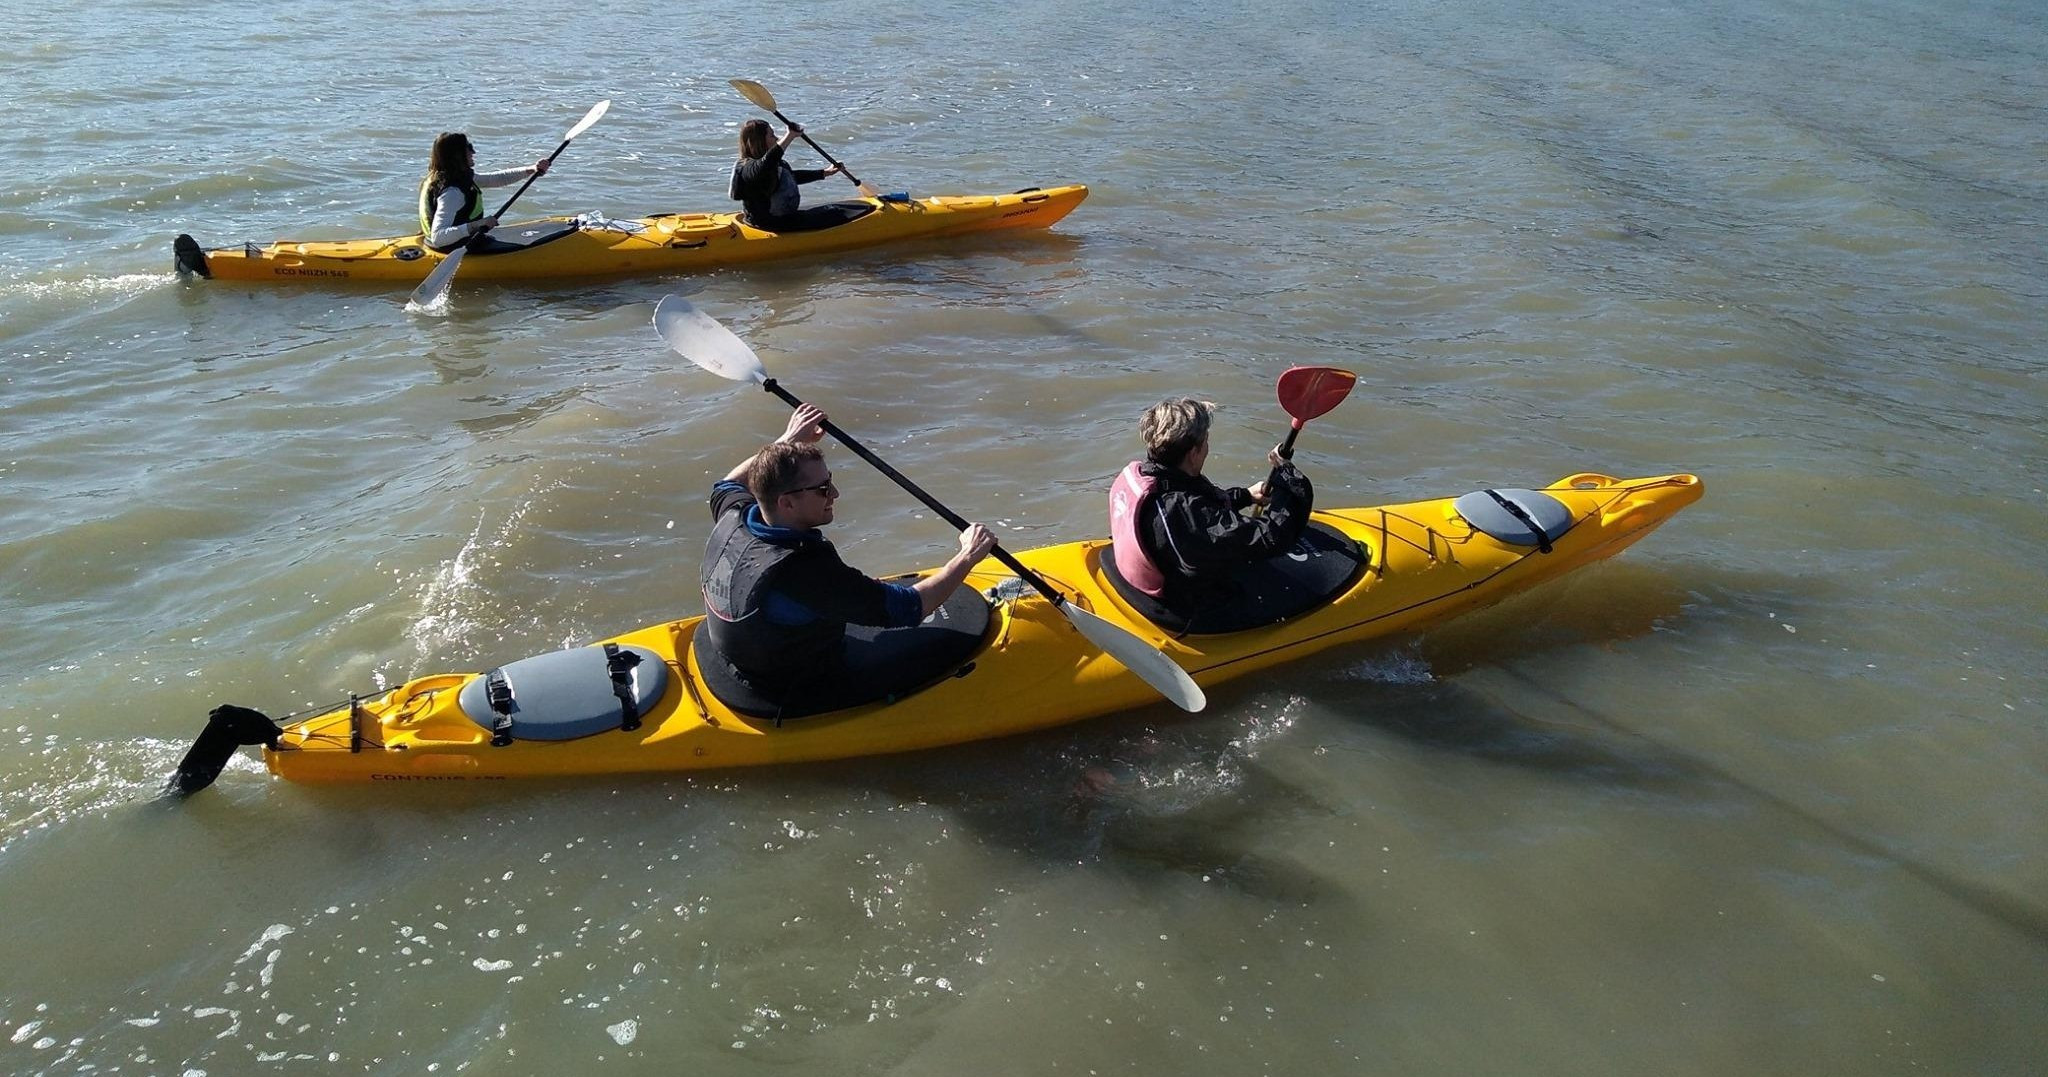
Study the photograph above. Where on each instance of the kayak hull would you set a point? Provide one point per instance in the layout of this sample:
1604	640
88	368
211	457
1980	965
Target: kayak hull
1034	670
670	243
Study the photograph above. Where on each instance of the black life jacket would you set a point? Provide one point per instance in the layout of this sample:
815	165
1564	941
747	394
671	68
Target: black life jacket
737	580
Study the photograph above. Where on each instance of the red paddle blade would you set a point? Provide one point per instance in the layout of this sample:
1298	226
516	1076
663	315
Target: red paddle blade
1309	391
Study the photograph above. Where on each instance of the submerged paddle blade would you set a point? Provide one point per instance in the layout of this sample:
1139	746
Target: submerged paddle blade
1148	662
1309	391
755	92
589	118
698	337
434	289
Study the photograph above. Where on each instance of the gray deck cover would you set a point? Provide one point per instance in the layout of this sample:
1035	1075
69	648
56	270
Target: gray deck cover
563	695
1485	514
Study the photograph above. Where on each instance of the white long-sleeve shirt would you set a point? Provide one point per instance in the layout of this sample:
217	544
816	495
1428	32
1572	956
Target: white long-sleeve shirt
446	230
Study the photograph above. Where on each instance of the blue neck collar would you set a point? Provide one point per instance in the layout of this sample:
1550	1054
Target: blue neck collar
761	529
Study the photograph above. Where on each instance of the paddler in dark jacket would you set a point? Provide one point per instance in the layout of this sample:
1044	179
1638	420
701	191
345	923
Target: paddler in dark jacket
1178	536
777	598
451	195
768	187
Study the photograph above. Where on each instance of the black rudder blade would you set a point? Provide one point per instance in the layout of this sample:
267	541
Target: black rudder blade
188	258
229	727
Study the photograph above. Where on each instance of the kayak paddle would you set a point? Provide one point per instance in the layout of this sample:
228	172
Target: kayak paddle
759	95
698	337
436	285
1307	392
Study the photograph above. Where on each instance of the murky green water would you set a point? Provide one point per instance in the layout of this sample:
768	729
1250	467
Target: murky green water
1763	795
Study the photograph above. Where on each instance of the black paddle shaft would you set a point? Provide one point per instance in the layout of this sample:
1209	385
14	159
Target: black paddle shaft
1286	453
806	136
529	180
917	492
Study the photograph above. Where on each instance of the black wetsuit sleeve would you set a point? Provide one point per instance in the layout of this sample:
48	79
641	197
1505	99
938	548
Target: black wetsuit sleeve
807	175
1207	533
837	591
754	180
729	496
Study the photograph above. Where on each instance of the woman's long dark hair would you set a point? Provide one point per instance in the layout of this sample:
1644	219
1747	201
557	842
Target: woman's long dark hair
449	165
755	138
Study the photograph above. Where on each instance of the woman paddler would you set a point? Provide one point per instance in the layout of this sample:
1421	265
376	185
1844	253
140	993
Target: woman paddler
768	186
451	195
1178	536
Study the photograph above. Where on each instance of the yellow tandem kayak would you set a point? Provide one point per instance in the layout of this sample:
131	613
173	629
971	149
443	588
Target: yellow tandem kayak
566	247
646	700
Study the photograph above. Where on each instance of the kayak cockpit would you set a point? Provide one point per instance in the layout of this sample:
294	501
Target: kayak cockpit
878	664
817	218
1323	564
514	238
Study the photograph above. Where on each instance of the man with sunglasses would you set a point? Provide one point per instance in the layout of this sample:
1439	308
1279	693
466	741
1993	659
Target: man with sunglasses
777	597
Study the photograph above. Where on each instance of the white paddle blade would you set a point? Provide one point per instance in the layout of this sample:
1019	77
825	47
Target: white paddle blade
589	118
1140	657
434	289
698	337
755	92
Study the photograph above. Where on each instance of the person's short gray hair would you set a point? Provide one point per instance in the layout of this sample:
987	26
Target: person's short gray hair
1172	428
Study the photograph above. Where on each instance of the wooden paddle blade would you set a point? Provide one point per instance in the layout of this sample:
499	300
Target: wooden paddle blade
435	288
1309	391
698	337
755	92
1150	664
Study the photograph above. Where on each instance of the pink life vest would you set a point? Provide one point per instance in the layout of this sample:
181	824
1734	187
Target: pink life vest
1128	496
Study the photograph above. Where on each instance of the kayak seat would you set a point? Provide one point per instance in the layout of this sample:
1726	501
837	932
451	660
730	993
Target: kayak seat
513	238
879	664
1322	565
563	695
816	218
1485	511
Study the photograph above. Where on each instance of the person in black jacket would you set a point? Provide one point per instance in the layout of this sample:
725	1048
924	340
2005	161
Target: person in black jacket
777	596
1178	536
768	187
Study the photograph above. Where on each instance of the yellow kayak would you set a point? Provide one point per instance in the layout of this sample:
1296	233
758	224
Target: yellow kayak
588	246
1006	660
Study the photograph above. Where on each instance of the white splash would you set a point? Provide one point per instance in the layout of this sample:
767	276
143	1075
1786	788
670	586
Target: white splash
270	934
1399	667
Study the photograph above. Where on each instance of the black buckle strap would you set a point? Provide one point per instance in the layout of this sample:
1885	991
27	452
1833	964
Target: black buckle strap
621	663
1542	539
499	691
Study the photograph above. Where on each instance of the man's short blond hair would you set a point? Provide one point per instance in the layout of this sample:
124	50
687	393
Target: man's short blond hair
1172	428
